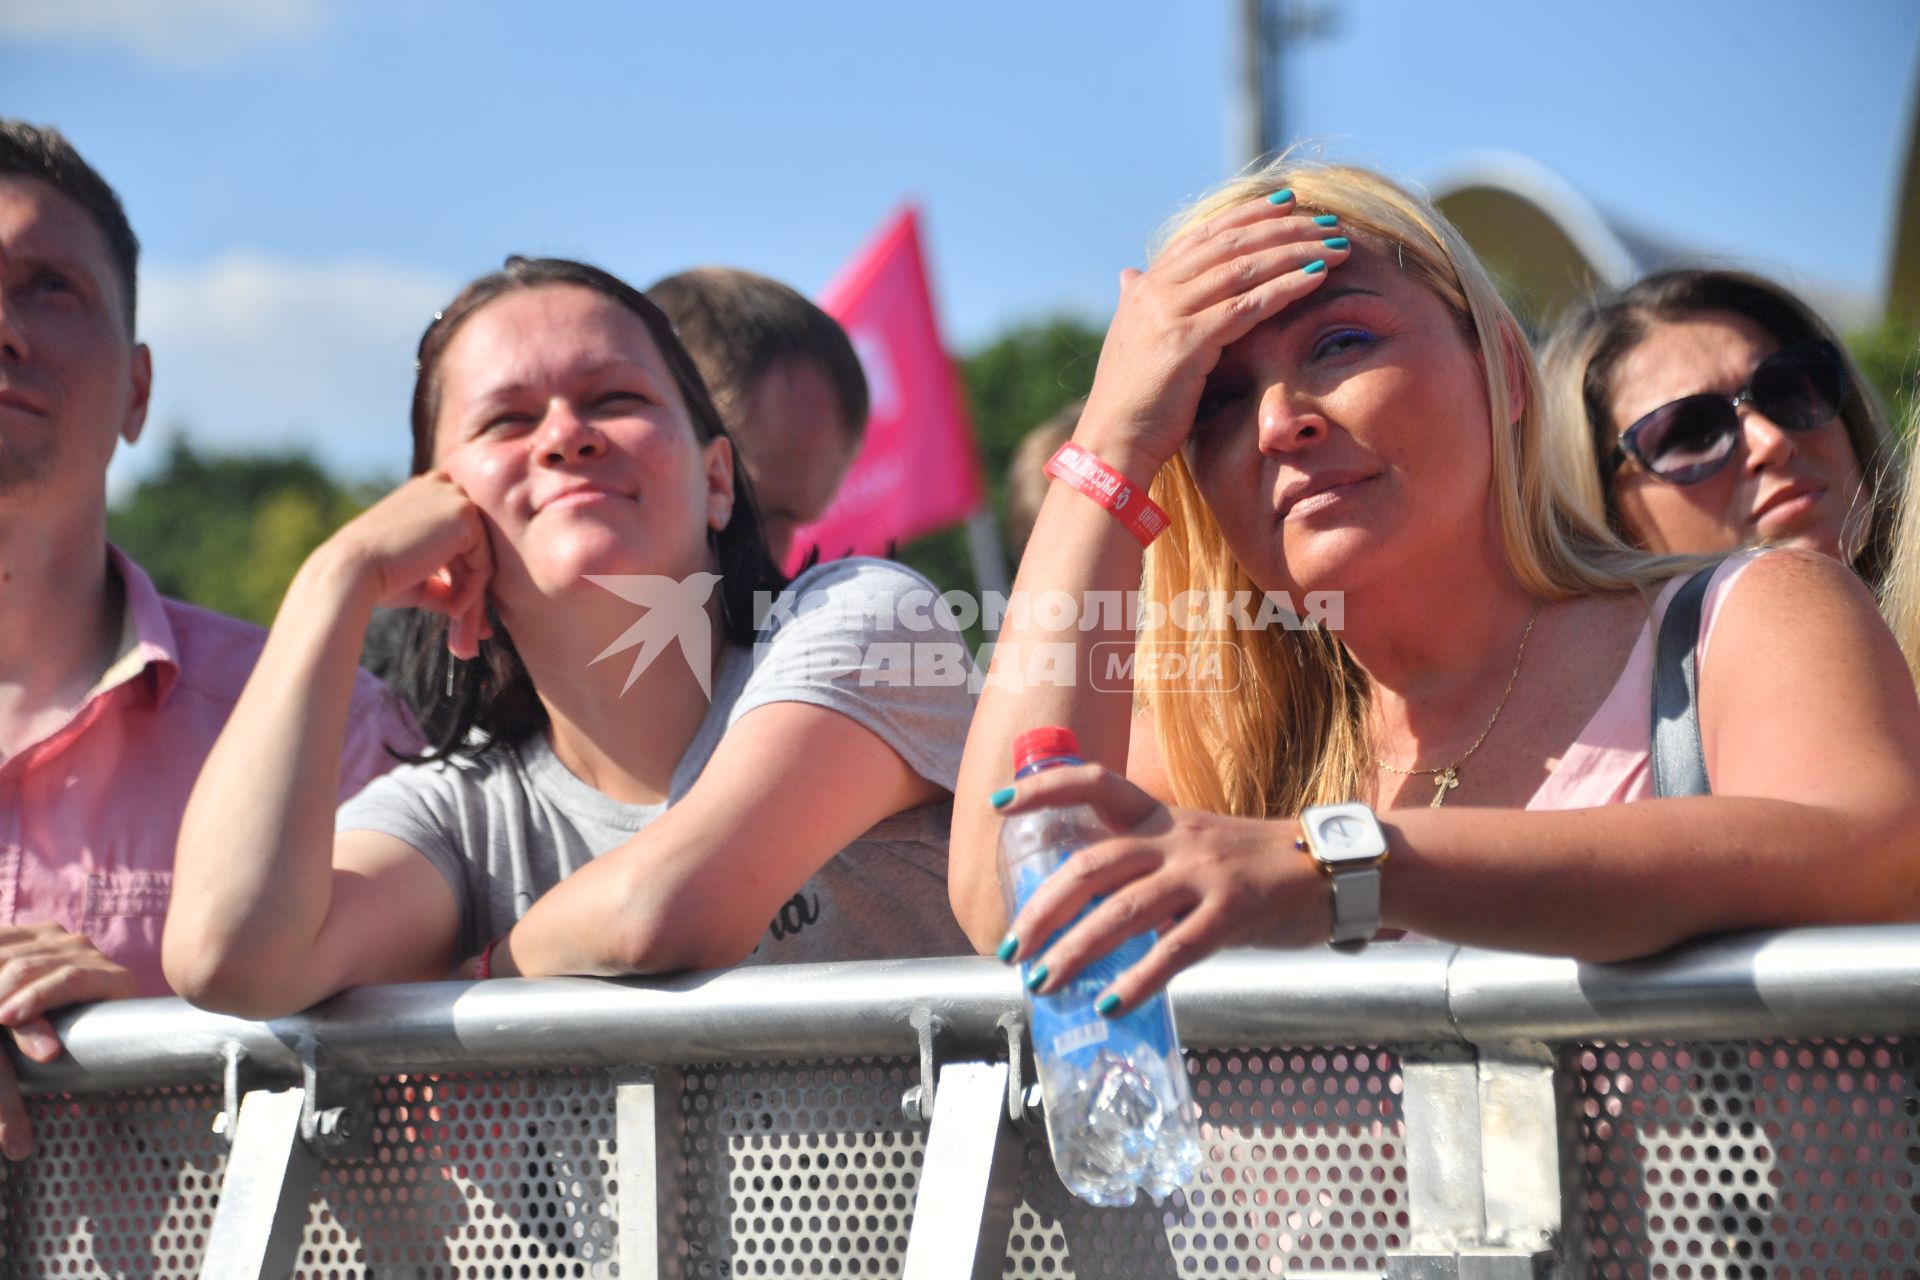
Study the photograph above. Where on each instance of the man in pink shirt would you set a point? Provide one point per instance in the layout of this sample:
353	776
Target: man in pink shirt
110	696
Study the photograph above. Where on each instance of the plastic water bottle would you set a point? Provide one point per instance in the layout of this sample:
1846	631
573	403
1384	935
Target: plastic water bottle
1118	1115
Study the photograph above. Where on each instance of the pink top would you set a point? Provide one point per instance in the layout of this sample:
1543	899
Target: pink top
1611	761
90	813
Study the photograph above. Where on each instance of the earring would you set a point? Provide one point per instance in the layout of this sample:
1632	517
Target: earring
451	663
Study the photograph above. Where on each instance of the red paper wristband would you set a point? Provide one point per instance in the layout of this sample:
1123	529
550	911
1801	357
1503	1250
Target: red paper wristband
1131	506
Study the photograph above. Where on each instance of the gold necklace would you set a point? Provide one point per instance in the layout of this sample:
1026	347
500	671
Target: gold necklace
1448	776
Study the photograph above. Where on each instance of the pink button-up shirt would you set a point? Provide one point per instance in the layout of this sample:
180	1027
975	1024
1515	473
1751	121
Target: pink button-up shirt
89	814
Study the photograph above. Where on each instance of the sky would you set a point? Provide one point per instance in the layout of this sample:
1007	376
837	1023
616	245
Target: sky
310	179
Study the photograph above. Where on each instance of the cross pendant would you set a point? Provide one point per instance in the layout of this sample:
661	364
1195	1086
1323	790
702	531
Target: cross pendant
1446	782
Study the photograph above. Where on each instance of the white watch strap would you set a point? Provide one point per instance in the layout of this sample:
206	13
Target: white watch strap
1356	904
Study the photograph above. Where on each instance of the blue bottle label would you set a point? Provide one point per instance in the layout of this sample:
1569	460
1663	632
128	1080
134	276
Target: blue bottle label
1065	1025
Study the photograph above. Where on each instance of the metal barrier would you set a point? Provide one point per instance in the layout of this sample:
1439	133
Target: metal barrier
1744	1108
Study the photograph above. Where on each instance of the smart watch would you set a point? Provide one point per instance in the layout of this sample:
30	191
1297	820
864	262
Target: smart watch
1349	844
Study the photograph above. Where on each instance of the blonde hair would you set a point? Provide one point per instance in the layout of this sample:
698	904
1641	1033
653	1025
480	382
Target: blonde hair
1900	588
1027	479
1293	730
1583	356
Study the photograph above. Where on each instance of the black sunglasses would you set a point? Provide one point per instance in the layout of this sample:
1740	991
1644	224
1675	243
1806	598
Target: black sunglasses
1687	440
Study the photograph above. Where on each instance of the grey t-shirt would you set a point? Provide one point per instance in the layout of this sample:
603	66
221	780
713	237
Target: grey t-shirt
866	638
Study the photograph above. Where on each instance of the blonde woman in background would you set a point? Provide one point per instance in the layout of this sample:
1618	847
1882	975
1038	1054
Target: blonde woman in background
1900	592
1701	410
1327	395
1027	480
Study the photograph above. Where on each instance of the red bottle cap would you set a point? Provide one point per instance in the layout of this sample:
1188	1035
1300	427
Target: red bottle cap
1049	743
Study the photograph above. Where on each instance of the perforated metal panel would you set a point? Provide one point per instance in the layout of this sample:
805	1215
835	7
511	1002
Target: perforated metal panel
812	1170
794	1170
1702	1161
471	1177
1717	1161
1306	1169
1304	1172
120	1185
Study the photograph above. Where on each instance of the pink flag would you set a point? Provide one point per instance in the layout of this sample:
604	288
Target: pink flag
918	470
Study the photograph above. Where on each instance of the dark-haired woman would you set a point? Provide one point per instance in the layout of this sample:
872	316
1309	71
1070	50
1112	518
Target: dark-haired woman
626	774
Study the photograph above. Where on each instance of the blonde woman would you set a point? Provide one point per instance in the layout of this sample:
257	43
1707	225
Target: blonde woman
1701	410
1327	396
1900	590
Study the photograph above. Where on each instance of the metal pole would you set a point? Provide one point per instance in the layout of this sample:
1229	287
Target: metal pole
647	1121
989	557
1268	31
969	1180
1277	28
1247	125
263	1195
1445	1204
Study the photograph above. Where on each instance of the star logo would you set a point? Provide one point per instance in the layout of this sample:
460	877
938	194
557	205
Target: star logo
676	609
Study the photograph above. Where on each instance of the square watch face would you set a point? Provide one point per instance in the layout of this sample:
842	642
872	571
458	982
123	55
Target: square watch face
1347	833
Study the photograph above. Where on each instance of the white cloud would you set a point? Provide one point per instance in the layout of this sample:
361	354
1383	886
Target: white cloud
174	33
256	352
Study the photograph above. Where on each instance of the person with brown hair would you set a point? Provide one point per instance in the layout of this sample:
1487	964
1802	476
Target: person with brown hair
1702	409
1323	393
741	790
111	695
787	383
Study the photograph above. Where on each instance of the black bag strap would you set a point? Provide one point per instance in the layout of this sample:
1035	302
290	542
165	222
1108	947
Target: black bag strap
1679	767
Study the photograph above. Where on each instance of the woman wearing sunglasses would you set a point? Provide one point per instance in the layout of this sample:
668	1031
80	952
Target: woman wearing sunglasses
1700	410
1331	404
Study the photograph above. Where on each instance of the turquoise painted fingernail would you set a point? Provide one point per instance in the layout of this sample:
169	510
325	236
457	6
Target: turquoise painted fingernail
1327	219
1038	978
1008	946
1108	1006
1281	196
1314	268
1338	242
1001	798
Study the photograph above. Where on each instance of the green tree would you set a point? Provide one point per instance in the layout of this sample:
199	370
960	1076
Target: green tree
227	531
1012	385
1889	356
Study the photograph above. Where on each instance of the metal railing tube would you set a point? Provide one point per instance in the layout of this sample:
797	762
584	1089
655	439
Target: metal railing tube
1387	994
1861	981
137	1044
787	1011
